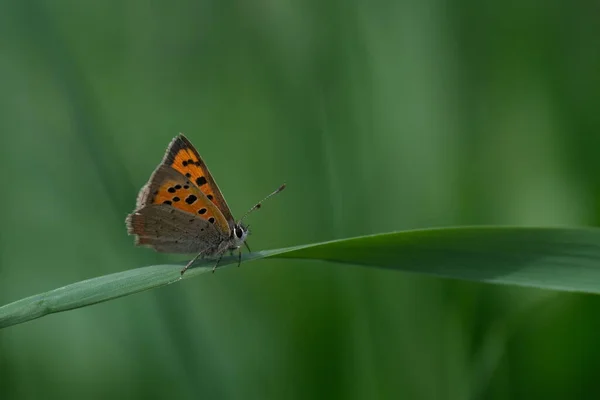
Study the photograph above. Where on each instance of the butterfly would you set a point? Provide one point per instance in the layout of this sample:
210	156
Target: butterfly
182	210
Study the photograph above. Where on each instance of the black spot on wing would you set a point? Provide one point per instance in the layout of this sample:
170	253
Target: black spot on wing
191	199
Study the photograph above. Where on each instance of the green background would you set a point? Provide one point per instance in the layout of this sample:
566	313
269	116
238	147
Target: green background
380	116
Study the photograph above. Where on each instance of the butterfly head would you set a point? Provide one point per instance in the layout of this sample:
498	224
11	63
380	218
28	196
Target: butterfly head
239	235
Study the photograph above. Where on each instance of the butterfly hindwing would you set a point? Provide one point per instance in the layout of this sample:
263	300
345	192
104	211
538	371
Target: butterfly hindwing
167	229
183	157
169	188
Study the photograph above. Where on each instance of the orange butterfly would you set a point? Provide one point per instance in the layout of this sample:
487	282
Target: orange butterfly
182	210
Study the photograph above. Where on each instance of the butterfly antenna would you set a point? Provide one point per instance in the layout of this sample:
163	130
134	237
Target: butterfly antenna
259	204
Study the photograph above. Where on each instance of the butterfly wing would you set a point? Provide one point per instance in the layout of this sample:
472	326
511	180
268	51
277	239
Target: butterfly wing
164	203
184	158
169	230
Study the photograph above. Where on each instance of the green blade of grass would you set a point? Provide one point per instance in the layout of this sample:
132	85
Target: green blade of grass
550	258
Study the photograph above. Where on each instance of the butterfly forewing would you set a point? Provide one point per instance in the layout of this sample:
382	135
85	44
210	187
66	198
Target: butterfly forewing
184	158
169	188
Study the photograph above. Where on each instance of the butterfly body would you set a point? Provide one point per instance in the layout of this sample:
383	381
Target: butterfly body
185	233
182	210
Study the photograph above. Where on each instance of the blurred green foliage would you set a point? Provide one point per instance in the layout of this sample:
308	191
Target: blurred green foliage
379	115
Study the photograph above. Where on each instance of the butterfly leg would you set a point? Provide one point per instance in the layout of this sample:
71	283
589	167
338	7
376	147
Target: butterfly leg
191	262
217	263
239	257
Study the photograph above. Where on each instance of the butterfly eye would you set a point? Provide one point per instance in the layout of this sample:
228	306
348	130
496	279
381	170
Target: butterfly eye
239	232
